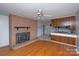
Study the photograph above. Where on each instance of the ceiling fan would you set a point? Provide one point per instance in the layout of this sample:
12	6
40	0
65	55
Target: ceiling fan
40	14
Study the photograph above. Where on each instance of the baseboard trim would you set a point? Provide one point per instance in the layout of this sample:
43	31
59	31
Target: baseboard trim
24	44
4	45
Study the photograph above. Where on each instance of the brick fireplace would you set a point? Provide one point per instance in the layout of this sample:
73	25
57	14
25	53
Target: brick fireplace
22	30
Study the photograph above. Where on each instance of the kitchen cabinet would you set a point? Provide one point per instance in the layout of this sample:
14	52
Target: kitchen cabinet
57	22
62	39
65	21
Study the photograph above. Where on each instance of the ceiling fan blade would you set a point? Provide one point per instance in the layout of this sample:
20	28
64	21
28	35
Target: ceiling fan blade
48	15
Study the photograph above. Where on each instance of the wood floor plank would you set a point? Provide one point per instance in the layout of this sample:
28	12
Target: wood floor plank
40	48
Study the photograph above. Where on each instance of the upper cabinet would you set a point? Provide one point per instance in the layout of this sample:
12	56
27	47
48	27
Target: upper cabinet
57	22
65	21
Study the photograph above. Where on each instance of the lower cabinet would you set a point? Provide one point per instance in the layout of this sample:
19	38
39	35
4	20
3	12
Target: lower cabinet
67	40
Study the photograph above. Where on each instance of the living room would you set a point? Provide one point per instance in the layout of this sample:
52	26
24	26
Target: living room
42	29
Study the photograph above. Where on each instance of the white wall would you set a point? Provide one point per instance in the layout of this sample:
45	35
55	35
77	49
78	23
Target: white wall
4	30
48	29
39	29
77	30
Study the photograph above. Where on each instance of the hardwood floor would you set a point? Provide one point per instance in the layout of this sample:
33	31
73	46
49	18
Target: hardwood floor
40	48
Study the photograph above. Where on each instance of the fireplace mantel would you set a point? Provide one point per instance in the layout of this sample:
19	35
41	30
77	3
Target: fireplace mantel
18	27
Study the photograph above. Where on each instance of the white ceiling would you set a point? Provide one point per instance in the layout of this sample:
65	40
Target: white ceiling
30	9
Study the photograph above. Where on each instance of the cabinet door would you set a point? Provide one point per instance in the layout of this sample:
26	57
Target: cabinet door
55	38
57	22
70	40
58	38
61	39
64	39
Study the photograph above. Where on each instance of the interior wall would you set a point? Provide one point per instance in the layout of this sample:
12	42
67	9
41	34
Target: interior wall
77	30
4	30
48	29
19	21
39	28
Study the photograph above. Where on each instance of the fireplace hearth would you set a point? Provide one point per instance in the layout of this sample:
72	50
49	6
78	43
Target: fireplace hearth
22	37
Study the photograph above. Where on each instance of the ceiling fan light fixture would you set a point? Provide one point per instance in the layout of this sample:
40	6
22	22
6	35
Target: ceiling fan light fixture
39	10
40	13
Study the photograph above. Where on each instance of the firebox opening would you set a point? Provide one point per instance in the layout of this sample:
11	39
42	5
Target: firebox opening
22	37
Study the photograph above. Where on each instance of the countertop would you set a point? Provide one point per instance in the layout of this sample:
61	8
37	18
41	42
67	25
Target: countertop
65	35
